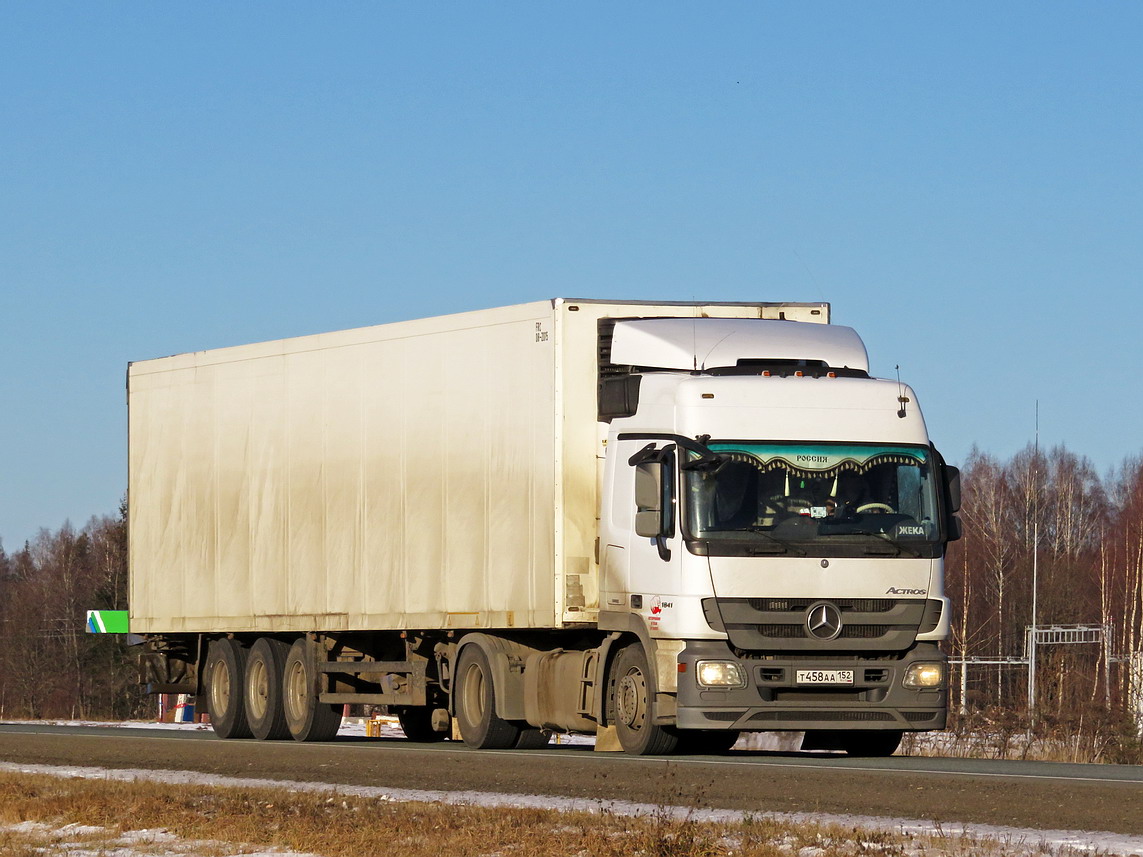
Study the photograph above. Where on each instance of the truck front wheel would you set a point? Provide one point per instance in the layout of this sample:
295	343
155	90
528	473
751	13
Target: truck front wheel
225	686
633	706
307	718
475	704
265	709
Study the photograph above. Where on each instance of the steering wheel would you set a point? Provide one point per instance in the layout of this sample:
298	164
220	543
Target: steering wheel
879	508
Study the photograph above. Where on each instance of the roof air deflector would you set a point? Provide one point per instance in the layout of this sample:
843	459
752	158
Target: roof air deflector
709	343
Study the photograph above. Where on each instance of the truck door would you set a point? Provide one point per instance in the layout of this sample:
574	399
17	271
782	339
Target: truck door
641	533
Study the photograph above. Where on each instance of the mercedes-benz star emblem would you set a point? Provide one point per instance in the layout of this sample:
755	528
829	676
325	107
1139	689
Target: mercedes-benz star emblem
823	621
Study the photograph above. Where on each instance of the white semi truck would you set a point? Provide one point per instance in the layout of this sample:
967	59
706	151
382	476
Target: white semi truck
663	523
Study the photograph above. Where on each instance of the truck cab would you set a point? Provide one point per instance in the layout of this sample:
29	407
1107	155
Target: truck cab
773	528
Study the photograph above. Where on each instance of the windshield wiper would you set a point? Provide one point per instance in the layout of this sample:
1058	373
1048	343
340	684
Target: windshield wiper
889	540
760	531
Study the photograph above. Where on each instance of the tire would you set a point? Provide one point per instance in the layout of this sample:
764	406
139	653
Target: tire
870	744
417	724
633	706
225	684
532	739
706	742
475	704
265	711
307	719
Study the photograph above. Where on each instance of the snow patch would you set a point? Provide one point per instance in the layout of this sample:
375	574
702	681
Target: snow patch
80	840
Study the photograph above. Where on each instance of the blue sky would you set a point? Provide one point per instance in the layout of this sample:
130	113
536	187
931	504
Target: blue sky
961	181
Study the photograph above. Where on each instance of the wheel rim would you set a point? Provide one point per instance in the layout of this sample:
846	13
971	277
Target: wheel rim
631	700
258	680
296	691
220	689
472	694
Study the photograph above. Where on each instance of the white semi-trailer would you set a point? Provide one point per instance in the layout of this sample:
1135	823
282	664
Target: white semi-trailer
667	523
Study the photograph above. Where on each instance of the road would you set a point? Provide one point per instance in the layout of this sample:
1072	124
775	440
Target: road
1040	795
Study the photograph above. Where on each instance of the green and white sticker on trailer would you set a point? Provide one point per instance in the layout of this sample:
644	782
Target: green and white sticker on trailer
107	621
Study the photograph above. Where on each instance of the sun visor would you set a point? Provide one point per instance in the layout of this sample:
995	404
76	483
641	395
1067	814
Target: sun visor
711	343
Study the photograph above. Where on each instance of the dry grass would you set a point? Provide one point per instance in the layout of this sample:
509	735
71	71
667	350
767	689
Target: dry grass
1092	737
215	821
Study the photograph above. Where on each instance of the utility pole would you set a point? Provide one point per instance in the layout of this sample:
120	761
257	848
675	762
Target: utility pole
1031	644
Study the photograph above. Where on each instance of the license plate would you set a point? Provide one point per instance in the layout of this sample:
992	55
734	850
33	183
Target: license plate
825	677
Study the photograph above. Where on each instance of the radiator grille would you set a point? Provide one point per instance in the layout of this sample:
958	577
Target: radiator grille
779	624
858	605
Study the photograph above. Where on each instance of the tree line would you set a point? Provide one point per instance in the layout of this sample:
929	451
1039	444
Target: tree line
1047	516
1045	531
49	666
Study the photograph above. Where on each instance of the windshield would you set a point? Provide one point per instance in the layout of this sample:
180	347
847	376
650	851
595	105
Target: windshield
828	498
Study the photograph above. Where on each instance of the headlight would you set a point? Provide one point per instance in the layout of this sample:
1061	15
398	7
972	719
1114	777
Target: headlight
720	674
919	676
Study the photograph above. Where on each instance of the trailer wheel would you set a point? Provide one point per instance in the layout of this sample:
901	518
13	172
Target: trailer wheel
475	703
633	706
307	719
225	679
417	724
265	708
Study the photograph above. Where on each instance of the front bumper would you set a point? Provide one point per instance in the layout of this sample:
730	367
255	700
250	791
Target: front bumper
773	700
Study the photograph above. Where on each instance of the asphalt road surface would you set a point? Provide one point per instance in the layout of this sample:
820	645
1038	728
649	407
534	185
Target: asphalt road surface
1041	795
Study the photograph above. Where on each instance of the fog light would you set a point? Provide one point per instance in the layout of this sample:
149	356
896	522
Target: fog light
720	674
924	675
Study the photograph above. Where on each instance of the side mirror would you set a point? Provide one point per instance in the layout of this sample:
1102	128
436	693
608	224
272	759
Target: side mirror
648	499
952	477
